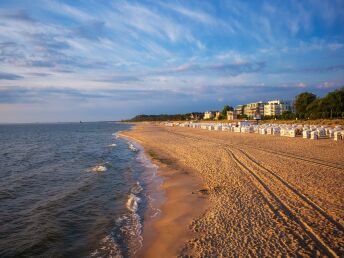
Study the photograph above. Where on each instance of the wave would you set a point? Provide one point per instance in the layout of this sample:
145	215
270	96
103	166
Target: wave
154	194
112	145
155	211
132	203
137	188
99	168
129	227
107	248
132	147
126	237
133	199
116	134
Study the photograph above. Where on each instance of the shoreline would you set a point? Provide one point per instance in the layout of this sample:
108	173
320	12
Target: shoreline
265	196
182	202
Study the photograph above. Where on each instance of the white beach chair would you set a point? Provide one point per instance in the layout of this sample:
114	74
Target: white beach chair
337	136
237	129
262	130
306	134
284	132
269	130
314	135
321	133
292	132
276	131
330	133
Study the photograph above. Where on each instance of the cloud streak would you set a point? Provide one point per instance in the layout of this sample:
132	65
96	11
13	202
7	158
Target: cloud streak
17	94
9	76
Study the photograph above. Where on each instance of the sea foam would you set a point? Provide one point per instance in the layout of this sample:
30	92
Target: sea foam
99	168
132	147
133	199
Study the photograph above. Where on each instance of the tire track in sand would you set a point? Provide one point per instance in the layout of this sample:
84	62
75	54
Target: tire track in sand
283	209
315	161
295	191
307	159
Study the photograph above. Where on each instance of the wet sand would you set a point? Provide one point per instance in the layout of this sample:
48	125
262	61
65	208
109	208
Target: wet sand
261	195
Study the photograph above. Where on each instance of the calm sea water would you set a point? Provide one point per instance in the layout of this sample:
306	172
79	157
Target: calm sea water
71	190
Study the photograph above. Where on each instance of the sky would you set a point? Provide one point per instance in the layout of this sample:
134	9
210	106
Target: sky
96	60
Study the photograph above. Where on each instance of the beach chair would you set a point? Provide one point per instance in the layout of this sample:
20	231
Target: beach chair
284	132
306	134
247	129
292	132
314	135
330	133
262	130
337	136
321	133
276	131
269	130
237	129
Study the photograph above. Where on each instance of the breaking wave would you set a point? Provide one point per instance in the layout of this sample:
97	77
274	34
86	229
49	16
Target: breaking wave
125	239
99	168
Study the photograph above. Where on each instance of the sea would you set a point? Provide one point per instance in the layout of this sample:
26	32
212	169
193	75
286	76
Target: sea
73	190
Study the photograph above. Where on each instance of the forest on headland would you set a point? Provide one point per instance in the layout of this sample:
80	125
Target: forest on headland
306	106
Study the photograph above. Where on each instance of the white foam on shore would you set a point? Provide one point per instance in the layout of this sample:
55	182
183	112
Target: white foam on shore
132	147
132	203
131	228
155	211
137	188
116	134
155	182
99	168
133	199
107	248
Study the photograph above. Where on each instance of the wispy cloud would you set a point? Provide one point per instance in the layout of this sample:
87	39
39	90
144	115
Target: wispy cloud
230	69
193	14
17	94
320	69
9	76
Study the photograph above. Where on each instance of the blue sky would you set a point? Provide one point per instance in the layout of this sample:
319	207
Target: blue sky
105	60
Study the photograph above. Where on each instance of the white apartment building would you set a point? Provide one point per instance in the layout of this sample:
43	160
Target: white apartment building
254	109
277	107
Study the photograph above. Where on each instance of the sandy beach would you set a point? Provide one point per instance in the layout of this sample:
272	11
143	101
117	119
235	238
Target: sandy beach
230	194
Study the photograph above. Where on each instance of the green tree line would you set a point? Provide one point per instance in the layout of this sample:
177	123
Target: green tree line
308	105
161	117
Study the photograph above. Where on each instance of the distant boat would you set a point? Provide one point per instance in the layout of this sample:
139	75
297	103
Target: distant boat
80	122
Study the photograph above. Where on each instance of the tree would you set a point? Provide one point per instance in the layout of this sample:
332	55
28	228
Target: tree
225	109
333	102
302	101
287	115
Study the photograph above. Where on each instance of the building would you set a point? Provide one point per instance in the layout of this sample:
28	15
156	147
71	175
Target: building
255	109
209	115
239	110
196	116
217	115
231	115
277	107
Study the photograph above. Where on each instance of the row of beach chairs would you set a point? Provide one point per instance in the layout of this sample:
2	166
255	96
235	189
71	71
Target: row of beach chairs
313	132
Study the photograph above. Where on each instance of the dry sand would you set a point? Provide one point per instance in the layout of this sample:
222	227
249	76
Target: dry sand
266	195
